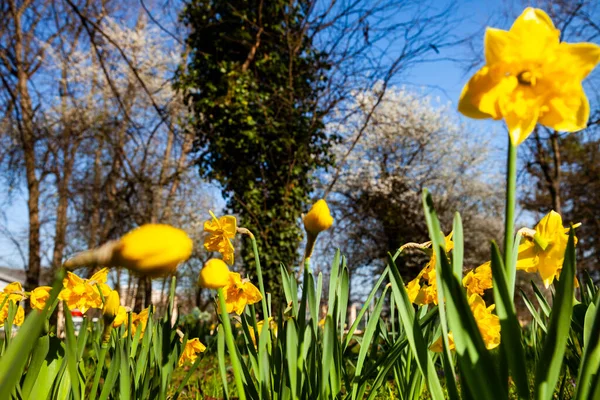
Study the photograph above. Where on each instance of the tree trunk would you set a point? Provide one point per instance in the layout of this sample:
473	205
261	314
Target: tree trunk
28	144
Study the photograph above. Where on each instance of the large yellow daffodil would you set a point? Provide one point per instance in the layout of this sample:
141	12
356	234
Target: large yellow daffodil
529	77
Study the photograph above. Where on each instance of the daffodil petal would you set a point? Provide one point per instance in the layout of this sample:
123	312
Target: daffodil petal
536	32
500	45
229	226
579	58
527	257
520	113
480	96
568	112
551	223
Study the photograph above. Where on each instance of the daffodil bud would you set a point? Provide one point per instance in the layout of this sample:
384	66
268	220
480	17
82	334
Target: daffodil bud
318	218
111	305
151	250
214	274
109	312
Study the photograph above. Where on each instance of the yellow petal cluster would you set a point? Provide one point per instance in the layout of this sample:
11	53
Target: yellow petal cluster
121	317
12	294
423	289
83	294
238	293
545	251
191	350
488	324
530	77
479	279
139	321
318	218
220	233
153	250
259	325
39	296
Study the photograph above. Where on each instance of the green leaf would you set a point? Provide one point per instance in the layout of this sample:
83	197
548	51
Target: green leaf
414	334
475	363
71	350
510	328
587	381
458	251
112	375
551	359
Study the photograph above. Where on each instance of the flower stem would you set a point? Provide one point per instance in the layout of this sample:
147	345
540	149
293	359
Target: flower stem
509	221
99	368
235	362
261	284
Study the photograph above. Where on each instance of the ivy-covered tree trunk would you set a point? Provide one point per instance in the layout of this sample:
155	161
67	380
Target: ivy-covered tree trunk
254	79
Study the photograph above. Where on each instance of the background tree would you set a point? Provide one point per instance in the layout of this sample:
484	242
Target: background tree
410	144
265	76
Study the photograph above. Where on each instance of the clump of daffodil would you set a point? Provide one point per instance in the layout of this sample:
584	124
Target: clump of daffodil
109	313
423	289
317	220
488	324
191	350
529	77
83	294
151	250
259	325
214	274
479	279
39	297
12	294
221	231
543	249
239	292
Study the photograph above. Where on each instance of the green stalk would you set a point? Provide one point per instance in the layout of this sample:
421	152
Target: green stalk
261	285
99	368
235	362
509	219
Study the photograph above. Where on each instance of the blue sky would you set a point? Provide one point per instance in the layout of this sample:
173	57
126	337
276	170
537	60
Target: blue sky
441	79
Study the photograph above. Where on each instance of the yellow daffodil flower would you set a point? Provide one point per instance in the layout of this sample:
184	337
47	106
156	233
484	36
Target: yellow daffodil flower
12	294
238	293
544	252
479	279
139	321
191	350
423	289
221	232
529	77
214	274
39	296
83	294
488	324
121	317
151	250
259	325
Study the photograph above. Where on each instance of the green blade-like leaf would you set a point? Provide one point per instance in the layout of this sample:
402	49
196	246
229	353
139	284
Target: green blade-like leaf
475	362
414	333
588	382
510	328
458	252
551	359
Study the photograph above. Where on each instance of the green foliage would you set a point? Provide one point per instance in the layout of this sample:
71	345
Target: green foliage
254	79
